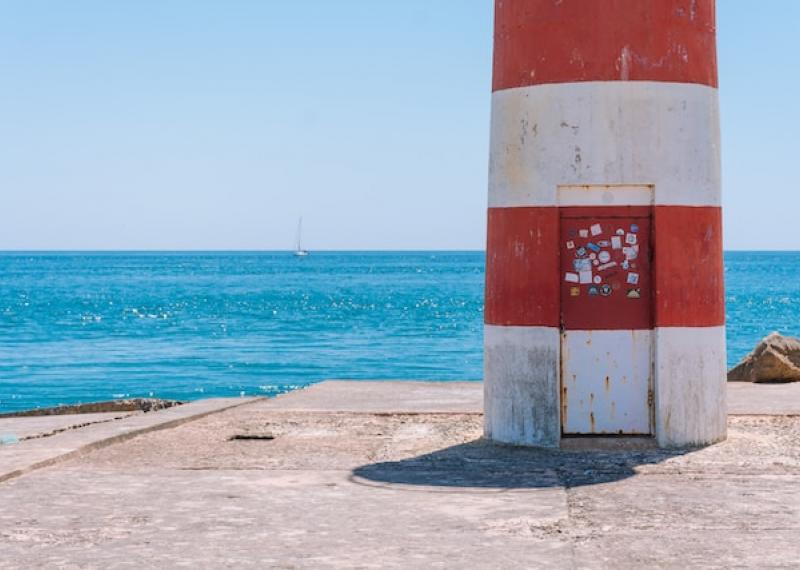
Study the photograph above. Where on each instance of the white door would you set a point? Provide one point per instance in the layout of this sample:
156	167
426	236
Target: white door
606	382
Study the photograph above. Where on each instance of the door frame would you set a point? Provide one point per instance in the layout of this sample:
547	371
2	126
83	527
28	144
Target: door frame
598	195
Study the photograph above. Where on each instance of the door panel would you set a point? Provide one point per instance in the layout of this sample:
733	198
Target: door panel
605	269
606	320
606	382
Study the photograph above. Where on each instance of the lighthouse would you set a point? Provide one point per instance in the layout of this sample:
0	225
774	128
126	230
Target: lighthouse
604	309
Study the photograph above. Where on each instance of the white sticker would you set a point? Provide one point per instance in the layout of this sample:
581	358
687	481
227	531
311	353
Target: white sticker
571	278
595	262
607	266
630	253
604	257
620	232
630	239
625	265
585	277
598	280
616	242
596	230
633	278
583	233
570	245
592	256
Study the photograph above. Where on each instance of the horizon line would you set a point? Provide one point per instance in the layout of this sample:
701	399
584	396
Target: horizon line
289	251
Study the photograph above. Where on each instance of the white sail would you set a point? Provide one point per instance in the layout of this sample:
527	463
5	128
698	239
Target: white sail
299	251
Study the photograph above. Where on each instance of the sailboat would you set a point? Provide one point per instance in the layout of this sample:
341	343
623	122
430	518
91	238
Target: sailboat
299	251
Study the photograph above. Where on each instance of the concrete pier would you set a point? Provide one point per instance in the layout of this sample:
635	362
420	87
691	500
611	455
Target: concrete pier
394	474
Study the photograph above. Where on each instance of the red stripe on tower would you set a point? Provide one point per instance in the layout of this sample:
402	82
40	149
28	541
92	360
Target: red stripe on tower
689	270
604	40
522	258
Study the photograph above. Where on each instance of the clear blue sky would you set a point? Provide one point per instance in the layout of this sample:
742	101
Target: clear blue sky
200	124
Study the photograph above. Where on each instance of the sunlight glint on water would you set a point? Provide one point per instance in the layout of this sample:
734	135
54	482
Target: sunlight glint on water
86	327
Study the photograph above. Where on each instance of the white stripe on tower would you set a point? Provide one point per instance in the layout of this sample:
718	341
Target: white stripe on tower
605	132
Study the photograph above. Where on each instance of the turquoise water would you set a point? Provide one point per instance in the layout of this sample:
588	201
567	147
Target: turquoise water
84	327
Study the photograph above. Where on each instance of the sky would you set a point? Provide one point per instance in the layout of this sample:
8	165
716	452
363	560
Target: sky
200	124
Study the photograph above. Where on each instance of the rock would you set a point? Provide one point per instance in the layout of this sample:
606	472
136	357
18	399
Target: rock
775	359
130	405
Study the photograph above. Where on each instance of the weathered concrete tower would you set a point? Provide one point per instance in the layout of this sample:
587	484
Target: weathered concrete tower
604	279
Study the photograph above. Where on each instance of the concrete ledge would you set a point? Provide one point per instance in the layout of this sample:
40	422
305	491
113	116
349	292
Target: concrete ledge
32	454
383	396
32	427
407	396
745	399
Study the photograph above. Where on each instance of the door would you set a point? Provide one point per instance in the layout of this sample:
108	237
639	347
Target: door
606	320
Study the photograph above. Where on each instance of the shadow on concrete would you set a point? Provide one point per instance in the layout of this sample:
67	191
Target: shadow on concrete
484	465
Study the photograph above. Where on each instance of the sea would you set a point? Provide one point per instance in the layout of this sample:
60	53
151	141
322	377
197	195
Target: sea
82	327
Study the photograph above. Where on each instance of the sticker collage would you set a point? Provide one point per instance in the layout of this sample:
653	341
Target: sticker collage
604	262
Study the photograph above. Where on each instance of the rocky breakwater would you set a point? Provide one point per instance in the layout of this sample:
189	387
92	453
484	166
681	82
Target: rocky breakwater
129	405
775	359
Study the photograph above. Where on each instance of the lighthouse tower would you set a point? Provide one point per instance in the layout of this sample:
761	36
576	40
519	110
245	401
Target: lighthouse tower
604	275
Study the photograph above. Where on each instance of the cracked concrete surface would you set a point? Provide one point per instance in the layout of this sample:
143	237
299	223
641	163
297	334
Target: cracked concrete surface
46	426
356	485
